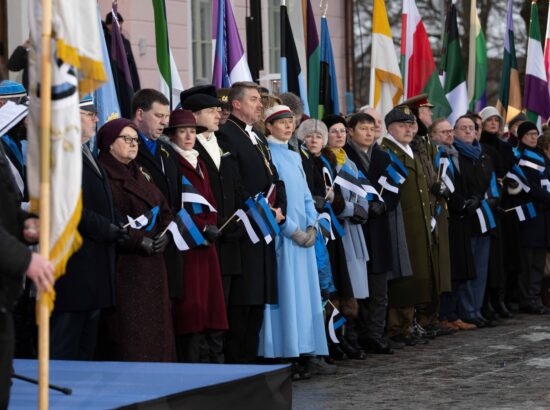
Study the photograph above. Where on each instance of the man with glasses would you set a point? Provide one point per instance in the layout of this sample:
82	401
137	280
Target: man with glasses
88	285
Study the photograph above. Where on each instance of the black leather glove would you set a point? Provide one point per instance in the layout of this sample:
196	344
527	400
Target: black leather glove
440	189
116	232
160	243
211	233
359	215
376	209
471	204
319	203
145	247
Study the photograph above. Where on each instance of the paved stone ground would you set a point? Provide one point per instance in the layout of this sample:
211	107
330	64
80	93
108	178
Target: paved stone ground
506	367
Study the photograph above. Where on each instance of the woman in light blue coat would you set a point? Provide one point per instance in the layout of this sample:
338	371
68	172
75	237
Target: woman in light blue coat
294	326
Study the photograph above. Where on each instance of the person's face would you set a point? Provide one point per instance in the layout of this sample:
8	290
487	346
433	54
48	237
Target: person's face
425	115
281	129
415	128
443	133
152	123
209	118
403	132
363	134
377	122
224	115
465	130
88	121
479	128
314	143
492	124
249	109
337	136
184	137
125	147
530	138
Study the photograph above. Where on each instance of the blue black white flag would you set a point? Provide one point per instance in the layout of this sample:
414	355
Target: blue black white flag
335	322
525	211
517	174
346	179
184	231
146	220
192	200
485	217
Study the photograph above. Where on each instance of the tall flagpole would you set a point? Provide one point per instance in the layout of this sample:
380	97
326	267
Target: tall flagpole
45	125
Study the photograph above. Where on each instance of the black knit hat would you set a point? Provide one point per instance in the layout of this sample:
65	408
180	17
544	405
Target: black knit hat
525	127
332	119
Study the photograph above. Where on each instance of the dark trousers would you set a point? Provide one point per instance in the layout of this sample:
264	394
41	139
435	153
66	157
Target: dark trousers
530	277
73	335
205	347
452	308
371	320
241	344
7	342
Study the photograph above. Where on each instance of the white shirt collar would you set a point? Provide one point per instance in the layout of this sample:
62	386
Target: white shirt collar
405	148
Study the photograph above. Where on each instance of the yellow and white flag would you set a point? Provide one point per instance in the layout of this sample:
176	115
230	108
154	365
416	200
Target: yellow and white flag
76	63
386	86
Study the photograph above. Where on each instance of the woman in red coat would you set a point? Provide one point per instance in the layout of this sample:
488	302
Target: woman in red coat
140	326
200	315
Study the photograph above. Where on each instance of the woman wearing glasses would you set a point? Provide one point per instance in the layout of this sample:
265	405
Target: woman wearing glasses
141	324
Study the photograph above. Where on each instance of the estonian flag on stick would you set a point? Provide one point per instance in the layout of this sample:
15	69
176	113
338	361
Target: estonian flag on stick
192	200
445	169
325	225
335	322
486	217
148	219
532	160
263	207
525	211
369	189
517	174
247	225
336	228
346	179
258	220
184	231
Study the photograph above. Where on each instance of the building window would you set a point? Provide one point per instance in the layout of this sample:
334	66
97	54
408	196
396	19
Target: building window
274	16
201	10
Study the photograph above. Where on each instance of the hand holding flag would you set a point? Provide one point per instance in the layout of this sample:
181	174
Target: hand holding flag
146	220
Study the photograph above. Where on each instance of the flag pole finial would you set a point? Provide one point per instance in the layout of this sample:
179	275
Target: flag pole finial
323	6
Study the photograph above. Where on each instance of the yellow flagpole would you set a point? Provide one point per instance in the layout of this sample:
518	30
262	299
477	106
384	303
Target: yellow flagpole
45	160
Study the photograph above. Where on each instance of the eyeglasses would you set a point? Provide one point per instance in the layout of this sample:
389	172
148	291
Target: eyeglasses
448	132
466	128
129	140
338	131
90	114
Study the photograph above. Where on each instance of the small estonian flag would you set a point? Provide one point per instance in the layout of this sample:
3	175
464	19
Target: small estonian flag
259	219
335	322
192	200
369	189
525	211
347	180
485	217
517	174
445	169
146	220
532	160
336	228
184	231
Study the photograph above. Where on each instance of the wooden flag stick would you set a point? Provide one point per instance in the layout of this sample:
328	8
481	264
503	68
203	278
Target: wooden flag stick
227	222
381	191
45	160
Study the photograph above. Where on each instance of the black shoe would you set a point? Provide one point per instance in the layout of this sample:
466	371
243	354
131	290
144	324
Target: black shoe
352	352
502	310
336	352
488	322
377	346
439	330
420	339
489	313
407	340
395	345
478	322
534	310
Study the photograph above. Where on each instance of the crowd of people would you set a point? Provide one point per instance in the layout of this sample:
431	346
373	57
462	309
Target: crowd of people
405	227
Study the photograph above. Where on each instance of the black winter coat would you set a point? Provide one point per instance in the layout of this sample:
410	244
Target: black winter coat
89	282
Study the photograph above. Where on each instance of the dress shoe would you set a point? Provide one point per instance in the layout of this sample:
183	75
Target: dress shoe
352	352
377	346
461	325
489	313
407	340
336	352
477	322
419	339
502	310
534	310
395	345
488	322
439	330
449	325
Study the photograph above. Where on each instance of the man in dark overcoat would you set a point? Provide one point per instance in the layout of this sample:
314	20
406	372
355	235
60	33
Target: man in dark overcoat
88	283
150	113
257	285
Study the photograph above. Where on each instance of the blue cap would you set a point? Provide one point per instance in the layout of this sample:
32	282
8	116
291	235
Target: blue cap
87	103
12	89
